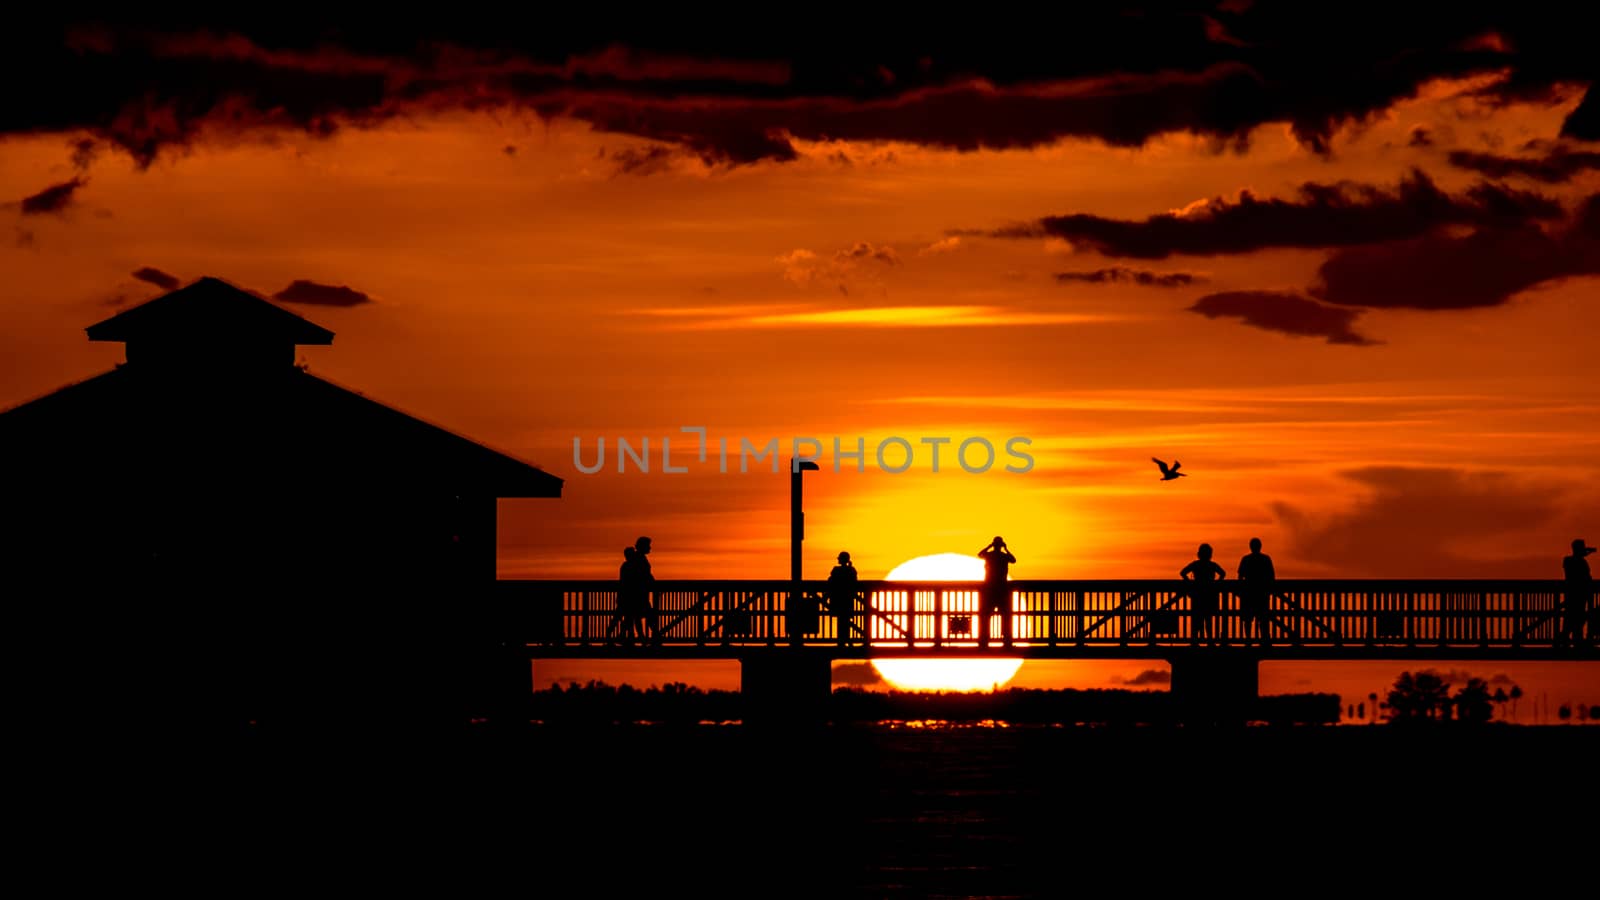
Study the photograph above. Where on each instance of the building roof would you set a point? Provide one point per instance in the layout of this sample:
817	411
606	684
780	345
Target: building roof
208	310
289	420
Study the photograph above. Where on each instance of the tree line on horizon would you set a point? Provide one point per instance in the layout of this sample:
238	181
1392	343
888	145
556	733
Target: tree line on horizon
1416	698
1425	697
597	702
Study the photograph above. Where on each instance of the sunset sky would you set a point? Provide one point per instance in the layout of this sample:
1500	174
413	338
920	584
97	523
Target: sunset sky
1343	269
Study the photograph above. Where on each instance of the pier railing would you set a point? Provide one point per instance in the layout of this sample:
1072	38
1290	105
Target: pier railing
943	618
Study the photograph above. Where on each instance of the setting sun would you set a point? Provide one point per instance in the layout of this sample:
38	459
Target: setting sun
938	567
944	674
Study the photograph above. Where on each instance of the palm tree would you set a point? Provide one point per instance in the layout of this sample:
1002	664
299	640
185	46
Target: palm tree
1500	697
1516	694
1421	697
1373	699
1473	702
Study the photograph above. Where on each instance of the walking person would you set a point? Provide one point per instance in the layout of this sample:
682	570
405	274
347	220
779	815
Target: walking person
645	603
627	588
996	597
1255	594
1204	574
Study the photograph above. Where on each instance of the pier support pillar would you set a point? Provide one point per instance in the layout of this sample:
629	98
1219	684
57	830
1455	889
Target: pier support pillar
508	695
1211	688
786	688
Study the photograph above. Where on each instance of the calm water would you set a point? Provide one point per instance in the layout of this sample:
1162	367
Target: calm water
892	811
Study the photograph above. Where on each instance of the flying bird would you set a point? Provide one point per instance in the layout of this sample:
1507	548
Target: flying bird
1167	474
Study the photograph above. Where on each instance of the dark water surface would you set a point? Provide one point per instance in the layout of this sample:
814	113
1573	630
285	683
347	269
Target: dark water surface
880	811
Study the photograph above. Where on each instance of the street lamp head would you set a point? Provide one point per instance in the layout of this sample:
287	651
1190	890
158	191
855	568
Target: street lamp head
806	465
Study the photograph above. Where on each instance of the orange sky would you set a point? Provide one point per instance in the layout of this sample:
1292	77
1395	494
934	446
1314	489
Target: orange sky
526	291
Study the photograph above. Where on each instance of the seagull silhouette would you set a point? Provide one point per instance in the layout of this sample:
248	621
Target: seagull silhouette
1168	474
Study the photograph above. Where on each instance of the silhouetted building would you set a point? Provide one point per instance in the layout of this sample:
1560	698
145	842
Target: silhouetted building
209	534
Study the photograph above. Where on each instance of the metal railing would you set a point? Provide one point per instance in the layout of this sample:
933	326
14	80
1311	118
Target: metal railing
943	618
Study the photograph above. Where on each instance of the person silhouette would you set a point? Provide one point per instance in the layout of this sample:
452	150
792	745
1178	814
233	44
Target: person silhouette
627	592
645	605
996	597
1204	574
842	596
1255	571
1580	594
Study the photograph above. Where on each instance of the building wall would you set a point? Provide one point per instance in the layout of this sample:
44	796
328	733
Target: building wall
192	571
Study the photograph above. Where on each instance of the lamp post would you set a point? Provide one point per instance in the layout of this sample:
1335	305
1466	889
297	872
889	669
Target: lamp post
797	517
797	536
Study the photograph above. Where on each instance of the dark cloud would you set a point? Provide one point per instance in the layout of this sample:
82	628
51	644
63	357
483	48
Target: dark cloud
312	293
1107	74
1583	123
1148	676
1486	267
1556	166
54	198
967	114
1414	522
856	675
1320	215
1131	276
1420	136
157	277
1285	312
1587	218
84	151
641	161
865	251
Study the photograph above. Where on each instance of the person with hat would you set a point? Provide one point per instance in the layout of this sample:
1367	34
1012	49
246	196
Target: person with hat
842	597
1580	593
996	597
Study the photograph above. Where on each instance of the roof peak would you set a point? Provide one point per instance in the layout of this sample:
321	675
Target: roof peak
209	309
